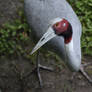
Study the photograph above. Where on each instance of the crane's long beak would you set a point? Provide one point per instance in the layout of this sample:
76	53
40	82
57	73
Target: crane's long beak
45	38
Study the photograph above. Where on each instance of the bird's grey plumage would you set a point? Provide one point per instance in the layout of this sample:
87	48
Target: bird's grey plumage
40	12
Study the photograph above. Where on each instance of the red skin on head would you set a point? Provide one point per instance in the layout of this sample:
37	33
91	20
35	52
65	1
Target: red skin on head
61	27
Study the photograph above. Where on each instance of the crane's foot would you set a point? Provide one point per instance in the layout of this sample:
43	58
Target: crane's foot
39	75
85	74
46	68
82	71
39	66
37	70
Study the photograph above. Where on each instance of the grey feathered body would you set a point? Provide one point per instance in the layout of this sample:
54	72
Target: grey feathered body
40	12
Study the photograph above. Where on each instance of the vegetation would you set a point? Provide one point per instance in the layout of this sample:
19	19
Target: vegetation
14	36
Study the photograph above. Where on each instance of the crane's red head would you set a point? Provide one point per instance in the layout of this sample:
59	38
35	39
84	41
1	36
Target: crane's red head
63	28
60	27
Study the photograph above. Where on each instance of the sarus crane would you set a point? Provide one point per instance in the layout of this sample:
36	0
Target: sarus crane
55	23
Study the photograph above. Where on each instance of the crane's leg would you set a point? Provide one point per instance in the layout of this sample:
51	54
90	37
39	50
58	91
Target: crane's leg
37	70
39	66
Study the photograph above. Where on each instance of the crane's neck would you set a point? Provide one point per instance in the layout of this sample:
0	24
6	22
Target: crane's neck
69	46
72	60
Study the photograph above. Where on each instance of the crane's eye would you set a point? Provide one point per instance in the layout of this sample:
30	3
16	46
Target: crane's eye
57	24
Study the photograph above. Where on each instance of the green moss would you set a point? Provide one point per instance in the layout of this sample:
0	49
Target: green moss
14	36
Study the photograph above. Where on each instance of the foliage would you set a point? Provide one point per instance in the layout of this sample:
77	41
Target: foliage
83	8
13	36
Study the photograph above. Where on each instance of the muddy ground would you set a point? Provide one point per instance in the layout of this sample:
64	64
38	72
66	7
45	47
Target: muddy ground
13	71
